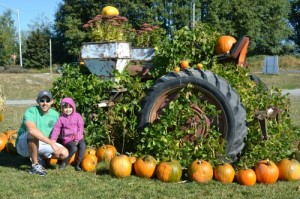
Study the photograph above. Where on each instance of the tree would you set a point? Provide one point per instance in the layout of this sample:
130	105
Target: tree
294	20
266	22
8	36
37	44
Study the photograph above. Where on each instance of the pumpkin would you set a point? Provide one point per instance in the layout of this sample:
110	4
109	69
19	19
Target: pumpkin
11	132
224	44
89	150
224	173
73	159
289	169
246	177
110	11
120	166
200	171
92	156
88	164
51	161
3	141
169	171
266	172
144	166
106	153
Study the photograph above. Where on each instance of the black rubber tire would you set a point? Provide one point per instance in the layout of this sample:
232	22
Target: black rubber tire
211	85
258	81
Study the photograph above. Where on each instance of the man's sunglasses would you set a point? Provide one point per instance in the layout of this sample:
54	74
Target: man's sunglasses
44	100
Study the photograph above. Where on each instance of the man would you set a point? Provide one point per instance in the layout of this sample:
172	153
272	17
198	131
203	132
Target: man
33	136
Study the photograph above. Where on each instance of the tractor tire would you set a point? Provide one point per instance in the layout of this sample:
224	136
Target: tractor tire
216	90
258	81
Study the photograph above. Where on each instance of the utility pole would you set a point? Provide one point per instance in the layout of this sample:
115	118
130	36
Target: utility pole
16	11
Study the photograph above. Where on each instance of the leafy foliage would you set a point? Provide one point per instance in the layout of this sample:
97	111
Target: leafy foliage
8	44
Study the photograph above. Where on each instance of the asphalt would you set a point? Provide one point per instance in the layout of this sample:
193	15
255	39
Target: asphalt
292	92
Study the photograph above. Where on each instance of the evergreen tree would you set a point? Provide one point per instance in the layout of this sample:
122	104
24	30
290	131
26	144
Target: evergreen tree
295	22
37	52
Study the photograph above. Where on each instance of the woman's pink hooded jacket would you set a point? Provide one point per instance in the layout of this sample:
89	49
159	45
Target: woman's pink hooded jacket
68	127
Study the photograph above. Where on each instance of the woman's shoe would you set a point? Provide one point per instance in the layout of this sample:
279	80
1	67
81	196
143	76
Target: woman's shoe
77	168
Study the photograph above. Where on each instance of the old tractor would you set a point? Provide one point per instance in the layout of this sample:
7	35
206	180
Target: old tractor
103	58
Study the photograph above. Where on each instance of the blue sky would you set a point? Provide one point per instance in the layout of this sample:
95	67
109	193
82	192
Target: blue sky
30	10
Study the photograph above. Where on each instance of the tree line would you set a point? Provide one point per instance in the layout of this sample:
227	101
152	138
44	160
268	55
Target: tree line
272	25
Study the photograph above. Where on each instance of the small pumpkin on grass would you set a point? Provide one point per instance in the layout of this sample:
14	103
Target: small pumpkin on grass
289	169
120	166
88	164
224	173
246	176
200	171
266	171
3	141
144	166
169	171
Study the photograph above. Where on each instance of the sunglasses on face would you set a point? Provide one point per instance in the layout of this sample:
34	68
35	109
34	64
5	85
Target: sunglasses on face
44	100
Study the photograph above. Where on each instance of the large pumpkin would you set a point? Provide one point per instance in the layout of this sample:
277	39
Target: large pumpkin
110	11
169	171
289	169
106	153
88	164
246	177
266	172
120	166
224	44
144	166
200	171
3	141
224	173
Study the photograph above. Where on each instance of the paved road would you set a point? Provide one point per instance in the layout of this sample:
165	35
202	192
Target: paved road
292	92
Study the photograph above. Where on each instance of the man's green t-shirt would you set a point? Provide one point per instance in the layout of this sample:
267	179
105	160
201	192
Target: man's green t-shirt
44	122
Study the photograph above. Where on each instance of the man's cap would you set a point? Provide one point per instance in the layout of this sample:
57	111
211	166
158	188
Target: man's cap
43	94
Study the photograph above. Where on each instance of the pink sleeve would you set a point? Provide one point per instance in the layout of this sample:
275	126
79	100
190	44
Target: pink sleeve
56	130
80	125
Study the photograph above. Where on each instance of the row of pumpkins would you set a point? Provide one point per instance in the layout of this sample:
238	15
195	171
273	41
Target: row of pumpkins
201	171
146	166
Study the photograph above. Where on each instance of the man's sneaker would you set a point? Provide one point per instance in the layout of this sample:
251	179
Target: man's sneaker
37	169
41	162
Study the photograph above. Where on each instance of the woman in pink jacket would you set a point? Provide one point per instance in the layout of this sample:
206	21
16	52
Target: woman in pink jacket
69	128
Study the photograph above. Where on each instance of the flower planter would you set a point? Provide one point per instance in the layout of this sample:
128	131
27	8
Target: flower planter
102	58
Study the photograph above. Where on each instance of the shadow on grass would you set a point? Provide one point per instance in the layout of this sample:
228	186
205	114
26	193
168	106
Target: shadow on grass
14	161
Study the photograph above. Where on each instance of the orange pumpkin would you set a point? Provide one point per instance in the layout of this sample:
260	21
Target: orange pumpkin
106	153
11	132
169	171
73	159
90	150
120	166
51	161
92	156
200	171
224	44
88	164
246	177
3	141
224	173
289	169
145	166
266	172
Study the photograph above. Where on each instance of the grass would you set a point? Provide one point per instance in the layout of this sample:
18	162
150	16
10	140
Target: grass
17	183
71	184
